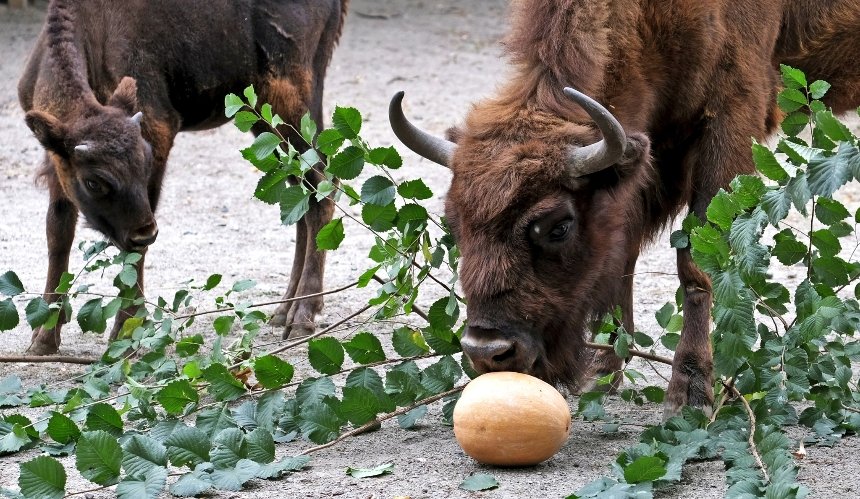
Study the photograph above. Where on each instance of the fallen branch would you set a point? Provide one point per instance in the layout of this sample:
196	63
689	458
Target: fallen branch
634	353
62	359
751	439
367	426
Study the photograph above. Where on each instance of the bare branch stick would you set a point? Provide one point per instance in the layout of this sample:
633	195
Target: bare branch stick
635	353
61	359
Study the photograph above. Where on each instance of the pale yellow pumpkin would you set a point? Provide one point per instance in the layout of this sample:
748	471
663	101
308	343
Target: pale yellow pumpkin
511	419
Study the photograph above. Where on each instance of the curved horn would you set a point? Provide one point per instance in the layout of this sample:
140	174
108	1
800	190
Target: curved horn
602	154
426	145
138	117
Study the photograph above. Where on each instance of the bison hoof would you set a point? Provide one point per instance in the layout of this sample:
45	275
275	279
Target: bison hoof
692	390
44	343
278	320
299	330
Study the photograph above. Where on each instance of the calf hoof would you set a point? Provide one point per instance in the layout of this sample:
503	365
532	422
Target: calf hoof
44	343
690	389
279	319
298	330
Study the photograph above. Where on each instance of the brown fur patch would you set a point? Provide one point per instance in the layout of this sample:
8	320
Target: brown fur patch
290	95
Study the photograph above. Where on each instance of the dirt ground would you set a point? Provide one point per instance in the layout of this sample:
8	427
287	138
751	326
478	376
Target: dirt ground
445	54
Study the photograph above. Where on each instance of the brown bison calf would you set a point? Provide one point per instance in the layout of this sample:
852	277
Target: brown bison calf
110	84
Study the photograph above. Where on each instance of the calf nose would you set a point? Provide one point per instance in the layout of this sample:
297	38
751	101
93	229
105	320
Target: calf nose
145	235
490	350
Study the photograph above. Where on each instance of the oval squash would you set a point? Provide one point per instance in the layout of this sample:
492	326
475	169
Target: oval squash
511	419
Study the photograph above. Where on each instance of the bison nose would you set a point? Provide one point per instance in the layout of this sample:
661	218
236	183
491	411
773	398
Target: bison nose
144	236
490	350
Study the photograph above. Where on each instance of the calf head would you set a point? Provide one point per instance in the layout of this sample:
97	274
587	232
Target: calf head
103	165
544	214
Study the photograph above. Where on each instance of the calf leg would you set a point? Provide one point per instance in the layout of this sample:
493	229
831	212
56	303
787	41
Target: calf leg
130	310
60	228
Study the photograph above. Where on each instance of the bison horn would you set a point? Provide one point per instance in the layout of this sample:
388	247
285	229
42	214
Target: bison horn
426	145
600	155
82	148
138	117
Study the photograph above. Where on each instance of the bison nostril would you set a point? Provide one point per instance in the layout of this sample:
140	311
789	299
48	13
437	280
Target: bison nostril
146	235
505	356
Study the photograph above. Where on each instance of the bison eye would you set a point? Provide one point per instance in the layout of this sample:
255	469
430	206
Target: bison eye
95	187
560	231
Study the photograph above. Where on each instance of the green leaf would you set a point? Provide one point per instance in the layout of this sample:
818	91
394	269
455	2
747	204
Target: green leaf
792	77
382	469
830	211
189	345
139	487
722	209
62	429
212	281
37	311
410	419
244	120
364	348
8	315
272	371
10	284
329	141
232	104
788	250
313	390
176	396
767	164
359	406
679	239
664	314
379	218
264	145
308	128
326	355
826	242
408	342
791	99
214	420
98	457
42	477
478	482
347	164
261	446
825	174
645	469
378	190
142	454
251	95
794	123
413	215
654	394
331	235
271	186
441	376
228	447
223	324
319	423
15	439
188	446
192	484
103	416
347	121
385	156
223	385
832	127
234	478
414	189
286	464
295	202
818	89
91	316
128	275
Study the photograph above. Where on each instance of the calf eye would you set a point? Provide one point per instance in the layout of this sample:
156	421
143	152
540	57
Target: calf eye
95	187
560	231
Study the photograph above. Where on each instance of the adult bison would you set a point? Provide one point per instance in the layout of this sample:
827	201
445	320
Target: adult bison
110	84
550	211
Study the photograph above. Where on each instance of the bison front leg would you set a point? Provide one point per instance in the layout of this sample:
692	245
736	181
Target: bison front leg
130	309
60	228
692	368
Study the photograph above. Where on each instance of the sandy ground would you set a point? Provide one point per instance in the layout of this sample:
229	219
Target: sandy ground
445	54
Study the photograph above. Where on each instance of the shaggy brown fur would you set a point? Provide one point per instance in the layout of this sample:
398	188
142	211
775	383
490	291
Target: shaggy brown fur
543	256
98	63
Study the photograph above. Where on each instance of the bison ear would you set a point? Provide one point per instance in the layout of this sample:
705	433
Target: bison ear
454	134
48	130
637	150
125	95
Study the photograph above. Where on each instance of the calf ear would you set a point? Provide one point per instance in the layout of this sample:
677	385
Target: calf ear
125	95
454	134
48	129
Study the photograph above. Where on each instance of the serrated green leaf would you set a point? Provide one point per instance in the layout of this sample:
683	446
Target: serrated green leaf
261	446
272	371
213	420
832	127
308	128
722	209
294	203
378	190
414	189
645	469
679	239
250	95
103	416
359	405
244	120
188	446
382	469
790	100
792	77
37	312
347	164
42	477
364	348
331	235
767	164
223	385
794	123
91	316
818	88
326	355
318	422
441	376
379	218
10	284
128	275
329	141
479	482
62	429
8	315
14	437
234	478
98	457
142	454
408	342
232	104
314	390
228	447
148	486
176	395
347	121
410	419
385	156
192	484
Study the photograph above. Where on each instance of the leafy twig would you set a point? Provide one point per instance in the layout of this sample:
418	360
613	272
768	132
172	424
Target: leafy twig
751	440
635	353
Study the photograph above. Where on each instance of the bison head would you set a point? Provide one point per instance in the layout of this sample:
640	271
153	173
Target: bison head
103	164
543	213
